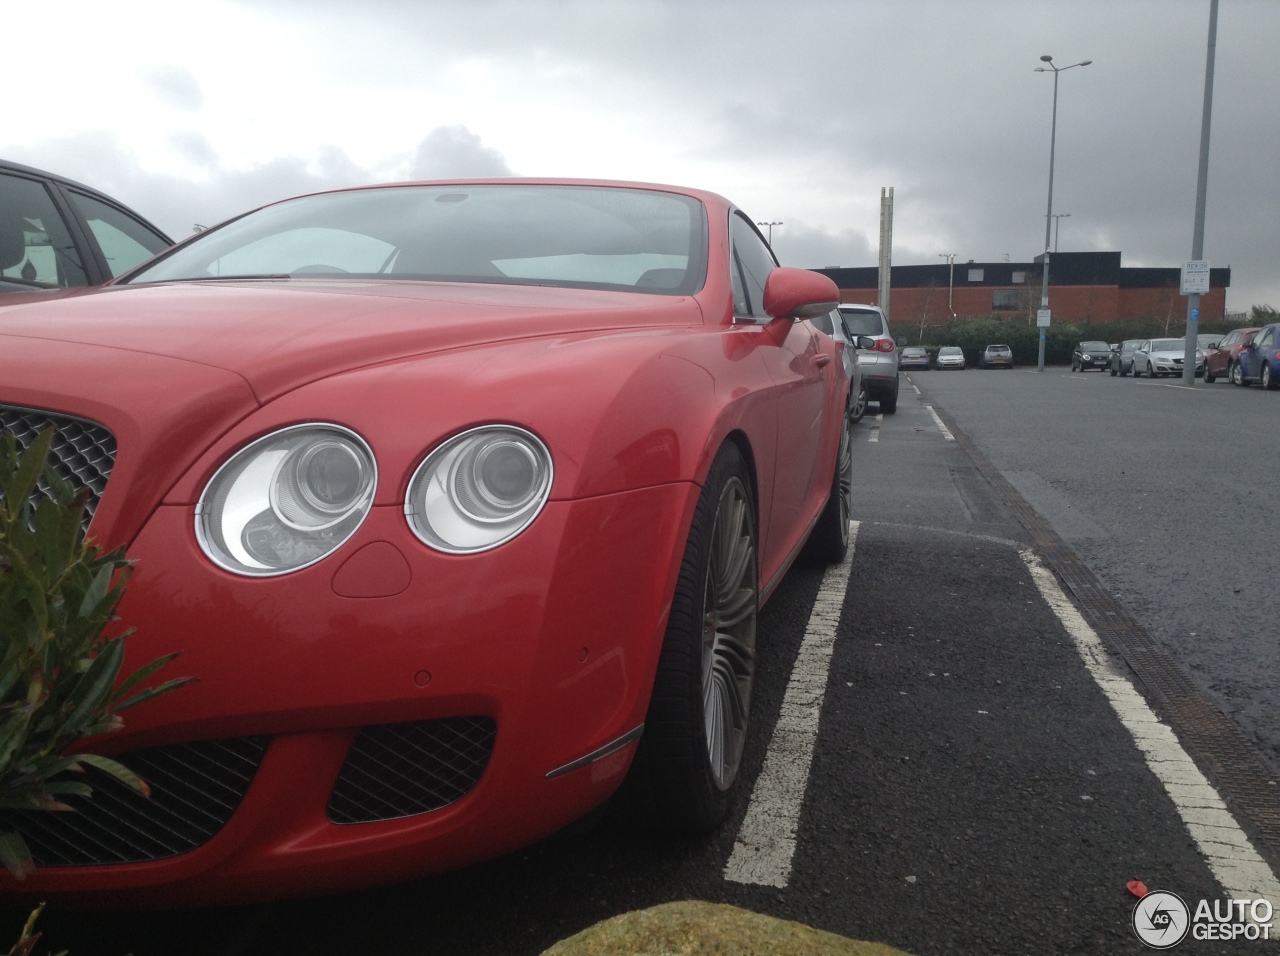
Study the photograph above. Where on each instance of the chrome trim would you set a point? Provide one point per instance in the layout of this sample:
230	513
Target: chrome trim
612	747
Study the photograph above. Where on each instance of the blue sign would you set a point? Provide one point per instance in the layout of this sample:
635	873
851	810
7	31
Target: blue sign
1195	315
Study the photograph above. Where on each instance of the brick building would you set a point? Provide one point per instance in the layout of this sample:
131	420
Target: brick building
1083	287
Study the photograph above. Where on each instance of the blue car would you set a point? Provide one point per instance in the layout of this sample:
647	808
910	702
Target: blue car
1260	359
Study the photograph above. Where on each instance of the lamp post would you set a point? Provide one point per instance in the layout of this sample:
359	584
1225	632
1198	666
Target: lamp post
1048	216
1057	222
951	276
769	226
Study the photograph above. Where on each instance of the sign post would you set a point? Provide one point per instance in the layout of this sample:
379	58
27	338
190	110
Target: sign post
1042	323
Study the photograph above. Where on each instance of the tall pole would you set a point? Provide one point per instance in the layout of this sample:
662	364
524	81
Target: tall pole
886	249
1057	227
1202	177
1048	216
951	279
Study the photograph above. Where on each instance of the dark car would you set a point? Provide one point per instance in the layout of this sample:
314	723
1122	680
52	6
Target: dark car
914	357
996	356
58	234
1121	362
1259	359
1091	355
1221	361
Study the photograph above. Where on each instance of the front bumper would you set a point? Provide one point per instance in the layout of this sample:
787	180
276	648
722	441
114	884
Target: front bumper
529	658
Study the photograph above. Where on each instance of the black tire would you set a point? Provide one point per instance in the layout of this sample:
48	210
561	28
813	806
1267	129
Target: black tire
1266	379
858	407
829	541
1236	375
684	774
1209	377
1114	371
1151	371
889	403
1123	371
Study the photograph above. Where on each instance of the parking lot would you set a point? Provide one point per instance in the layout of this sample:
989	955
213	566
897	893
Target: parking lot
971	783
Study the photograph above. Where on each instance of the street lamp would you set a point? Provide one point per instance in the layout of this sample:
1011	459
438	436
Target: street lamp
770	226
1048	217
951	275
1057	221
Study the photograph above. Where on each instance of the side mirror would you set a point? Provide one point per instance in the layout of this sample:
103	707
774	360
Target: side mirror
799	294
865	342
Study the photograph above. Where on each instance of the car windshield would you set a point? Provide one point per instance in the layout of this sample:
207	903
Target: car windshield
914	352
1128	345
949	350
998	349
1094	347
1206	341
1168	345
578	236
862	321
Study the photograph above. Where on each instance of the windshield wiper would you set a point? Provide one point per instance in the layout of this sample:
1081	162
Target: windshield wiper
266	275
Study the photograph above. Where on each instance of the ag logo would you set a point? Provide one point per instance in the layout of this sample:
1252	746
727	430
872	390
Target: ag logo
1161	920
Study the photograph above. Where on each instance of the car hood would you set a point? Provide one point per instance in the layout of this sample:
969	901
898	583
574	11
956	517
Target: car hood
280	335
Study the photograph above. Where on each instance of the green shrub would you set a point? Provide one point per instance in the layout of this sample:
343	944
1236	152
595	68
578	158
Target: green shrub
58	670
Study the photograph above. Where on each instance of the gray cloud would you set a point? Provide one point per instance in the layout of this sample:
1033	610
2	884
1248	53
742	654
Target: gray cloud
175	86
454	152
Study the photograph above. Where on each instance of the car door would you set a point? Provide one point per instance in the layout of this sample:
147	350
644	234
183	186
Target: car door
1254	354
39	248
803	376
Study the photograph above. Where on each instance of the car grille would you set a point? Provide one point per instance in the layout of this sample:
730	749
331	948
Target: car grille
399	770
83	452
195	788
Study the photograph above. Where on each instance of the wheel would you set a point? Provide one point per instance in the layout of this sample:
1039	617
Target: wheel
1266	380
830	538
858	407
1074	367
687	762
1134	369
889	403
1235	375
1151	372
1114	371
1125	371
1209	377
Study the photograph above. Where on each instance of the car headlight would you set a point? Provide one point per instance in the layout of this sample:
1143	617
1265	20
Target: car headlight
479	489
286	500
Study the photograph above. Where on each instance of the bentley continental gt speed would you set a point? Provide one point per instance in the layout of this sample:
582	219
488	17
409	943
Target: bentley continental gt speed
460	500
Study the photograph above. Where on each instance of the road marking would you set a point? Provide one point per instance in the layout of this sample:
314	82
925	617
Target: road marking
766	843
946	432
1232	858
875	429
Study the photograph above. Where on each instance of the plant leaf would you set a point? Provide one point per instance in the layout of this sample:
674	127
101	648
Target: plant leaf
119	771
15	856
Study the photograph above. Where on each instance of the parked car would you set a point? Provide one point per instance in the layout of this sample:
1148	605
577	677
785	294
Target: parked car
880	364
848	344
1121	362
996	356
1208	340
1220	362
914	357
1259	359
950	356
58	234
1157	357
427	483
1090	355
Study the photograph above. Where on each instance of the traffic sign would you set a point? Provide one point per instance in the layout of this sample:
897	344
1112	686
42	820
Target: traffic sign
1195	277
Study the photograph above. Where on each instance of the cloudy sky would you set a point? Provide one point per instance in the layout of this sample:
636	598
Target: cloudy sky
799	112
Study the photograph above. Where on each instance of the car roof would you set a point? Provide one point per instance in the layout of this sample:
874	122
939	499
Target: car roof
12	167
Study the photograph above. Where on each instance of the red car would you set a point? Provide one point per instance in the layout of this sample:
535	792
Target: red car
460	499
1223	361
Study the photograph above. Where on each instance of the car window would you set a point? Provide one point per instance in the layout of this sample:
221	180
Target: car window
125	242
1231	339
1094	347
516	234
1267	336
949	350
1130	344
35	247
825	323
1167	345
752	263
863	321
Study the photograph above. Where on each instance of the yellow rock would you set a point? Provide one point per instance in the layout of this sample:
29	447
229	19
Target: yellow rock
693	928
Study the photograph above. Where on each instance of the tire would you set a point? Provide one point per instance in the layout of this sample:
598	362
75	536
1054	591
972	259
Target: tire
686	766
1134	369
1209	377
1114	371
889	403
1151	371
1267	381
858	407
829	541
1123	371
1236	376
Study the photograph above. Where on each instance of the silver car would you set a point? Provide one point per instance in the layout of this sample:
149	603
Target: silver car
834	326
950	356
879	365
1122	358
1156	357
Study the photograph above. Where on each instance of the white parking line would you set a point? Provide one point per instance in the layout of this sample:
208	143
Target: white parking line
875	429
1234	861
946	432
766	843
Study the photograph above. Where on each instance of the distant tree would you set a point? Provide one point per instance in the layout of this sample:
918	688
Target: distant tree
1263	315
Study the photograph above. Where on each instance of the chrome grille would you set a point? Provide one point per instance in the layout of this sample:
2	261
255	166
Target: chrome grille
399	770
195	788
82	455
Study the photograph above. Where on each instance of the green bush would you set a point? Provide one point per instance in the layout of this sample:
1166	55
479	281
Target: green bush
58	670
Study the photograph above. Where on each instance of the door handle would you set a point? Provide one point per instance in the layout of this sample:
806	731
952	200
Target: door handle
822	360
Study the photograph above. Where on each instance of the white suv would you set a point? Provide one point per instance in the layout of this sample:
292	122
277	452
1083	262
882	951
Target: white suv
879	365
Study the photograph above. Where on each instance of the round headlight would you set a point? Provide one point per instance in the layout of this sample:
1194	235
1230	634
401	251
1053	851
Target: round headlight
286	500
479	489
